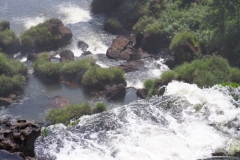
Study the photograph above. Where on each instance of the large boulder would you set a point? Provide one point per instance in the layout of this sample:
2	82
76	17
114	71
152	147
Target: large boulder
116	92
49	35
66	55
122	49
6	101
59	102
118	46
19	136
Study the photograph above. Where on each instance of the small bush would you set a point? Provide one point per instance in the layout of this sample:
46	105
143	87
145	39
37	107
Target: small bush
167	77
96	75
232	84
113	23
4	25
71	112
44	56
9	83
39	36
100	107
73	67
6	37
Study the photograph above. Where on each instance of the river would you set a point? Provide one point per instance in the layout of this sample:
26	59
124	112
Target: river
186	123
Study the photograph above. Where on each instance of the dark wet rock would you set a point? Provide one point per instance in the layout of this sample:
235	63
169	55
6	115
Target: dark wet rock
4	25
32	57
132	66
19	136
67	55
4	155
116	92
141	93
12	96
169	62
83	45
59	102
86	53
57	27
5	101
122	49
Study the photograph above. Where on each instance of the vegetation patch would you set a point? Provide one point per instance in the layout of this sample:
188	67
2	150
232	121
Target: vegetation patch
96	75
39	36
71	68
205	72
12	74
71	112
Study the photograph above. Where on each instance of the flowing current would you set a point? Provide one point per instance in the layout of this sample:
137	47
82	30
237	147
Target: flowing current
186	123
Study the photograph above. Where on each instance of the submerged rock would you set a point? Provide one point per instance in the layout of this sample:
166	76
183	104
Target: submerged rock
18	136
4	155
59	102
132	66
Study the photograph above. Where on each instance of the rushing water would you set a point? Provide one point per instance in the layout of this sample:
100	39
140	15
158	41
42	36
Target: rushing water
186	123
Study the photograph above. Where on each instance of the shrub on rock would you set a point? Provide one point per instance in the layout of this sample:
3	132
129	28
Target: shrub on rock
186	47
8	41
12	74
46	69
96	76
73	67
71	112
47	35
113	26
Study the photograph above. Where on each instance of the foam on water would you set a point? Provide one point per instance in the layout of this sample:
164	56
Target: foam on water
74	14
31	21
186	123
153	69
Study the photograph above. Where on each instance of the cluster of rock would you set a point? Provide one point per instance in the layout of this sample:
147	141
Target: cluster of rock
17	139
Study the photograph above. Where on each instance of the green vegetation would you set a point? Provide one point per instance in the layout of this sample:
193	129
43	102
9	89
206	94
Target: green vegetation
231	84
7	83
71	112
96	75
73	67
43	67
100	107
7	36
39	36
12	74
204	72
113	23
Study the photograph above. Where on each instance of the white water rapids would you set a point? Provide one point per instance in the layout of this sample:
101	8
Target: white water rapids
187	123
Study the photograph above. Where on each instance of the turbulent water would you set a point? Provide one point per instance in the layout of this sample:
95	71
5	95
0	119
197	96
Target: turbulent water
186	123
